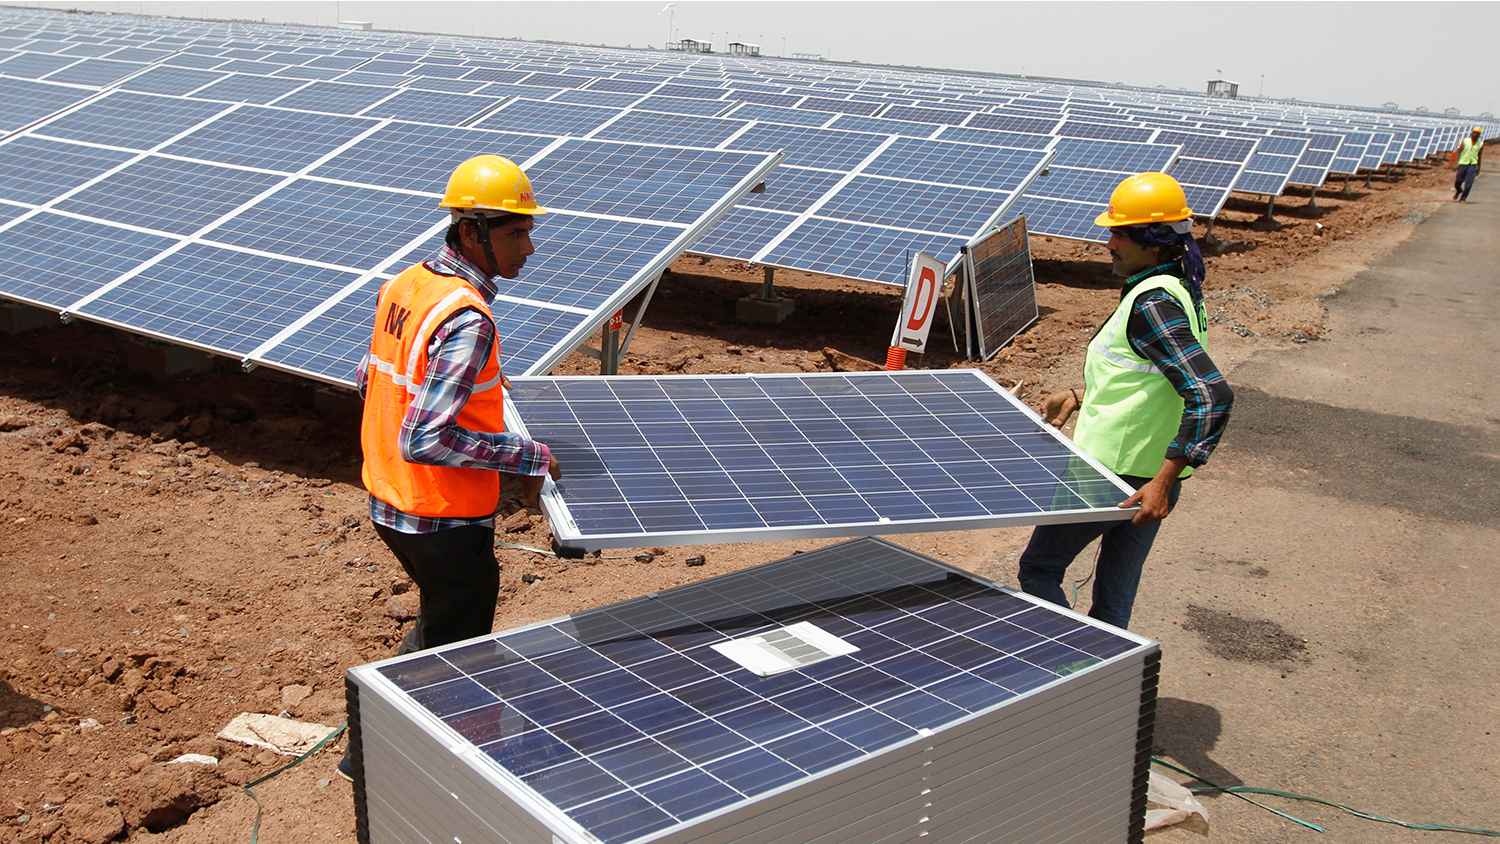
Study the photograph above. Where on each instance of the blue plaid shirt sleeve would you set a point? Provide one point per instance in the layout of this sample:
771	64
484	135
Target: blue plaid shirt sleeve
430	433
1159	331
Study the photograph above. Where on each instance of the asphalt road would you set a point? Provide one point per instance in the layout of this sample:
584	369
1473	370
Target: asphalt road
1326	596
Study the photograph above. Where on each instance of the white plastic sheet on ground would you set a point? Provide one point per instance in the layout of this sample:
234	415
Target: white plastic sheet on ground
281	735
1168	803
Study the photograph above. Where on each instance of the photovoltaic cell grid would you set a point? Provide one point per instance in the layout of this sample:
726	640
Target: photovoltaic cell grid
1002	289
627	722
692	459
140	122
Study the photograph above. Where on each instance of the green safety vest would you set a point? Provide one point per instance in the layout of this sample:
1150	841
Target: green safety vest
1468	152
1130	411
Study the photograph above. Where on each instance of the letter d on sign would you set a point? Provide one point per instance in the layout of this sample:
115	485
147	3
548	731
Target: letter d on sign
922	290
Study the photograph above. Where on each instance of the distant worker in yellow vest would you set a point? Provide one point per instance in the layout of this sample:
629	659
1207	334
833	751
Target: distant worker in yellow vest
1468	155
433	430
1152	406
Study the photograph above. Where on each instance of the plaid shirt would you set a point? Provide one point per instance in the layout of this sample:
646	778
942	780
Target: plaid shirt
1159	331
430	433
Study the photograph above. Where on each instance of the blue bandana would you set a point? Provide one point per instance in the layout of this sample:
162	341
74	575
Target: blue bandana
1174	234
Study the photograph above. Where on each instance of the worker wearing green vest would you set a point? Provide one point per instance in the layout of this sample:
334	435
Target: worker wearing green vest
1153	404
1468	156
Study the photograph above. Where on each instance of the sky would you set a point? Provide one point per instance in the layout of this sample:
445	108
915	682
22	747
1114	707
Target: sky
1415	54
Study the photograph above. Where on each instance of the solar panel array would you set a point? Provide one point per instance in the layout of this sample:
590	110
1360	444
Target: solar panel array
244	189
630	722
686	459
834	122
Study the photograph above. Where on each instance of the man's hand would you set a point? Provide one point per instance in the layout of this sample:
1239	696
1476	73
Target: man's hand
531	485
1058	407
1155	496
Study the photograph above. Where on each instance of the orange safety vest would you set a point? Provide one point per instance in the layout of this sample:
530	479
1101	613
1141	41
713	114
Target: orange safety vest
410	308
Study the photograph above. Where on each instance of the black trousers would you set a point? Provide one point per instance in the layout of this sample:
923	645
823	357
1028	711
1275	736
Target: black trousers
458	580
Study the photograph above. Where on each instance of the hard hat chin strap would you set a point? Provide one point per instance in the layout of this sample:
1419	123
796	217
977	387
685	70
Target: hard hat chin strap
482	226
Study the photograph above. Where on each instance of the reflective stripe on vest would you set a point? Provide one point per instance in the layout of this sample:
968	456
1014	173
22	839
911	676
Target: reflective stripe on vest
1131	412
409	311
1468	152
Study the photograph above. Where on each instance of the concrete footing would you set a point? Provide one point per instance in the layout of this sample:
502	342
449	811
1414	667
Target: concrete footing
757	309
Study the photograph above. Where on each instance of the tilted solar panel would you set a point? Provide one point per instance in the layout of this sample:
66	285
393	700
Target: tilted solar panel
721	459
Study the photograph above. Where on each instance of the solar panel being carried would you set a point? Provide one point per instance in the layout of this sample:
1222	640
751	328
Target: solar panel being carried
685	459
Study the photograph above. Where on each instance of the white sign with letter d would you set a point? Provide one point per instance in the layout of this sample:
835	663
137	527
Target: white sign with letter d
921	303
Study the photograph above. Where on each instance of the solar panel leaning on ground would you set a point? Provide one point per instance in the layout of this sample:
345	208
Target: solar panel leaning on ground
1001	295
684	459
886	697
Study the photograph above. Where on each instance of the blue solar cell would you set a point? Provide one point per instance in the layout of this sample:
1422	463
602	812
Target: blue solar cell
606	99
1113	156
334	97
330	346
377	80
179	197
951	117
1264	163
23	102
346	225
767	98
684	105
1211	147
581	261
827	149
1063	217
642	182
1275	145
779	114
35	65
933	208
249	89
882	126
792	189
53	261
1013	123
37	170
487	74
95	72
411	156
556	80
1105	131
170	80
229	302
742	233
840	106
537	117
655	128
1314	176
696	92
250	68
952	163
193	60
993	138
270	138
388	66
432	107
1269	184
858	251
451	86
1005	474
1208	173
1205	201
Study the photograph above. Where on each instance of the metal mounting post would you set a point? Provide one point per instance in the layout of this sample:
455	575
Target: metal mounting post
767	306
1312	197
1346	186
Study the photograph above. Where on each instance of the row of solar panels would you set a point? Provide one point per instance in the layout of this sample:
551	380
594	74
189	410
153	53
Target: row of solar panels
133	125
612	79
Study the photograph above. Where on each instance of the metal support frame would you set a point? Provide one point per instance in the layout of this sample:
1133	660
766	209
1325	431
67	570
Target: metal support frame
768	288
1346	186
612	348
1312	196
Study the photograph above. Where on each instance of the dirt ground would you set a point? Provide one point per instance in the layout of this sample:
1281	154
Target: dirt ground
177	552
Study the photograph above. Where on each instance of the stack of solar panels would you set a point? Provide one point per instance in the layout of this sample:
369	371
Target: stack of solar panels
858	693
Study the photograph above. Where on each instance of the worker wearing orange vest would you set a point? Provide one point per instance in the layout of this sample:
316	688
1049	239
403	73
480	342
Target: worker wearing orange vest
433	430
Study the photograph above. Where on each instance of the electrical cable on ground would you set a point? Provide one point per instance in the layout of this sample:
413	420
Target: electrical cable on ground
1241	790
255	831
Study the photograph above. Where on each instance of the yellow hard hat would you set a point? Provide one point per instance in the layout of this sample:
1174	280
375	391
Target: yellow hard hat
490	183
1478	128
1145	198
